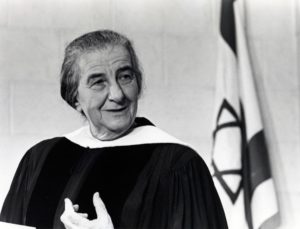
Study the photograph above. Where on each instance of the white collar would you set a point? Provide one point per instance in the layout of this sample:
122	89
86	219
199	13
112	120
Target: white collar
140	135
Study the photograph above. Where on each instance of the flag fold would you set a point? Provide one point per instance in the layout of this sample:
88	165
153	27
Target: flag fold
240	163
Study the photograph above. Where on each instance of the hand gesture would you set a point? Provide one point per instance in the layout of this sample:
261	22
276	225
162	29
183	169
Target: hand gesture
75	220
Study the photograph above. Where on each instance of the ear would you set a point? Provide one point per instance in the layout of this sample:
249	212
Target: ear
78	107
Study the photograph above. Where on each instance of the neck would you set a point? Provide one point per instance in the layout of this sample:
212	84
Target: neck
109	135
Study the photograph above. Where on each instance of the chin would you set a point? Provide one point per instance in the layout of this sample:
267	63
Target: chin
121	125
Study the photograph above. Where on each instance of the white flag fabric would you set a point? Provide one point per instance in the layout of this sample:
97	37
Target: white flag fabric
240	162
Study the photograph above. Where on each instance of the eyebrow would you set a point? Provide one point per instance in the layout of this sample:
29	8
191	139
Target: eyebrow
125	68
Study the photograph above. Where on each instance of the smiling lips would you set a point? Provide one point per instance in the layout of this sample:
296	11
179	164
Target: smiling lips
117	109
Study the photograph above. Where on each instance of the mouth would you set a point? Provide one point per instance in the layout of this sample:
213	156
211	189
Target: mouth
120	109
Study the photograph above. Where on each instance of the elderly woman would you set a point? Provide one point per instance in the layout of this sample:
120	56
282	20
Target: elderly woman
145	177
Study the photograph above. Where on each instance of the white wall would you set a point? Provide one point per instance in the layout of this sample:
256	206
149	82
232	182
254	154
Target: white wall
275	54
176	42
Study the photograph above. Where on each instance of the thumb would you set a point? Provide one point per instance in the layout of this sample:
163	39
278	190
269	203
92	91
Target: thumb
102	213
99	205
68	205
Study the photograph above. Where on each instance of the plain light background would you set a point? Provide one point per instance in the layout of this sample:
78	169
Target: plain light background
176	42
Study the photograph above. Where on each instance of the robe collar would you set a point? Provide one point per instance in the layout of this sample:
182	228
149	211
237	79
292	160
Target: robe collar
144	133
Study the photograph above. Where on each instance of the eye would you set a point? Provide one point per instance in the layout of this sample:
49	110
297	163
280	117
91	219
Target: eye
126	77
98	83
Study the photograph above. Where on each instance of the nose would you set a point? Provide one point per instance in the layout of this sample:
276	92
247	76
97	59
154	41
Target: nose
116	93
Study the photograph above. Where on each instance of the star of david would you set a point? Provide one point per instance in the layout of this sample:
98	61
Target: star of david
220	174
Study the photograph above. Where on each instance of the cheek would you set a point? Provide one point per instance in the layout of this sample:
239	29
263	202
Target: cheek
91	101
132	92
97	101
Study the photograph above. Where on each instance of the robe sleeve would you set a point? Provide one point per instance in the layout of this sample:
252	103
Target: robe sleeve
192	198
175	192
185	197
15	205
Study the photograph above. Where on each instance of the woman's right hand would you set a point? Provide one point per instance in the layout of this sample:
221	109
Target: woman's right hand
74	220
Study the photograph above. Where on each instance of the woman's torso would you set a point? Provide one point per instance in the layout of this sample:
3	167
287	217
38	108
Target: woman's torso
76	172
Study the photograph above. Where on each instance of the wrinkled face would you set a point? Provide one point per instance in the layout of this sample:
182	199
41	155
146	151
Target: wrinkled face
107	91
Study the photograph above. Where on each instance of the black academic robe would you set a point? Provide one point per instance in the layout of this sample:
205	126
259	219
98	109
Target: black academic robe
145	185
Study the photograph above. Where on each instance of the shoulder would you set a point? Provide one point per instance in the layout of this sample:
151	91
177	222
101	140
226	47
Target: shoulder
45	144
32	161
40	150
180	155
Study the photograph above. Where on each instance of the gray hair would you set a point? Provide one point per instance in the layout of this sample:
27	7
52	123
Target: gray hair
101	39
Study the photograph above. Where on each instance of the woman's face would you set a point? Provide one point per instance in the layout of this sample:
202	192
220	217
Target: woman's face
107	91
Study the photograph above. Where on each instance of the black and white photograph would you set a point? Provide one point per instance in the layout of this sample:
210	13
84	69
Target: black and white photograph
149	114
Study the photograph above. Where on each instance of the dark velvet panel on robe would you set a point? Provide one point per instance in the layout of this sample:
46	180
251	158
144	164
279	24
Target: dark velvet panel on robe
172	188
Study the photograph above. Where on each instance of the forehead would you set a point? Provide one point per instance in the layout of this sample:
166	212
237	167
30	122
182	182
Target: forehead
102	58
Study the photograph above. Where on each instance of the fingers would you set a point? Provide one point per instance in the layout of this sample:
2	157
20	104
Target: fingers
99	205
84	215
72	219
102	215
69	205
76	207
